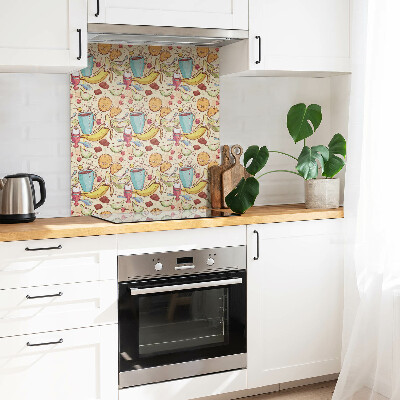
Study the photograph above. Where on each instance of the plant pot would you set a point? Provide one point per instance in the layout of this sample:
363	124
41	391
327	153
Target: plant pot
322	193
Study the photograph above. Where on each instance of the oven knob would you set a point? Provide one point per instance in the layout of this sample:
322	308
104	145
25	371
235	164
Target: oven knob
158	266
210	261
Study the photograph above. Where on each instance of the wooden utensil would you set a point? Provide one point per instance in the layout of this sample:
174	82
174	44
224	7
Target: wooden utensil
215	178
232	176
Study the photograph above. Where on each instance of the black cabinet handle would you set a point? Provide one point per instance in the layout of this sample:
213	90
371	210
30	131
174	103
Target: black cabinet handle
259	49
80	43
59	247
44	344
98	9
59	294
258	246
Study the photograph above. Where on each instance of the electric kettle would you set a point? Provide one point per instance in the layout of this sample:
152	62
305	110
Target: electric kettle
17	198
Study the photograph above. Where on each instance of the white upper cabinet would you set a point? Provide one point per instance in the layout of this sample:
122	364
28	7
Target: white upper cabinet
292	37
224	14
295	301
43	36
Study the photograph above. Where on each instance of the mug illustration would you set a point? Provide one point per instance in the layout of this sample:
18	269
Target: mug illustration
137	66
138	176
86	122
186	67
186	120
137	121
89	69
186	175
86	179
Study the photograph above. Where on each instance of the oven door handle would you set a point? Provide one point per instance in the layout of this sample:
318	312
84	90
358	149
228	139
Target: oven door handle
186	286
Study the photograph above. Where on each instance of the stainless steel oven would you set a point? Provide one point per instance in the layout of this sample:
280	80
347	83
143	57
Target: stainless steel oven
181	314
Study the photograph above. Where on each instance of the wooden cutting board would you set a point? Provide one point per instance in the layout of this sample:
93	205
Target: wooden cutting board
232	176
215	178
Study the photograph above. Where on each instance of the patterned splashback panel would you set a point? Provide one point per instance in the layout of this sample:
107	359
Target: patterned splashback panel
144	128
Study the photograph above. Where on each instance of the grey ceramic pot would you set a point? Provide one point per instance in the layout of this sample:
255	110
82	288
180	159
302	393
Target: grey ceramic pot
322	193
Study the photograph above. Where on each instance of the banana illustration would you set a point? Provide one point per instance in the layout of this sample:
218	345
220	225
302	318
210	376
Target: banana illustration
196	80
197	134
98	192
153	131
99	77
94	137
196	189
147	80
149	190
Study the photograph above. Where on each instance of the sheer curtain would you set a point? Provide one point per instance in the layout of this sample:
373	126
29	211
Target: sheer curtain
371	338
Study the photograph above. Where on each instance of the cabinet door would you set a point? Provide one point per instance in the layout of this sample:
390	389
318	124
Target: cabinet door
84	366
225	14
42	36
295	301
301	35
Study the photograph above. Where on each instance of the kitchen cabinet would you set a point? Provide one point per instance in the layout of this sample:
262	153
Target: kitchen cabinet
224	14
295	300
290	38
79	364
43	36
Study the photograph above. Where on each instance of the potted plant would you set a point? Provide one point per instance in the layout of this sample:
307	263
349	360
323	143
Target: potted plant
302	122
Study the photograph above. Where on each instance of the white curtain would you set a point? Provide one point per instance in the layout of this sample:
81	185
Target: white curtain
371	334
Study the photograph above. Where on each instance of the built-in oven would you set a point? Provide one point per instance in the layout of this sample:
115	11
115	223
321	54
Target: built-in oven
181	314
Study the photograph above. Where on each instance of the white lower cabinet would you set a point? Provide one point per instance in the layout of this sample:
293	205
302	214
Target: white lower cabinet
82	364
295	300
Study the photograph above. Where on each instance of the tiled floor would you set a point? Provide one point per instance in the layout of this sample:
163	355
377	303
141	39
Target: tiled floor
318	391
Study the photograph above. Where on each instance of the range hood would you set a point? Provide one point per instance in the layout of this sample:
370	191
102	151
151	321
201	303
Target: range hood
163	36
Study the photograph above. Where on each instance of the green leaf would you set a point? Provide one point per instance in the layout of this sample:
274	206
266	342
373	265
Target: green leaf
307	165
243	196
259	157
303	121
337	146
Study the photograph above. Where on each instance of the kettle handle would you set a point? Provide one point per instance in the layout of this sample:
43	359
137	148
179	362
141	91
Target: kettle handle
42	186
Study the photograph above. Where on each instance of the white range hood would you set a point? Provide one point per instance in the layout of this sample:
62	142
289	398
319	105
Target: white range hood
163	36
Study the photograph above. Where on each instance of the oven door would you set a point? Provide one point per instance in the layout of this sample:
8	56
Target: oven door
175	327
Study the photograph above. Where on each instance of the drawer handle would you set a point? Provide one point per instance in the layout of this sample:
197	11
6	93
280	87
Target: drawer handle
59	247
43	344
45	295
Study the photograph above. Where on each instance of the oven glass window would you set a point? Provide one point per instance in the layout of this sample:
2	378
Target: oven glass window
185	320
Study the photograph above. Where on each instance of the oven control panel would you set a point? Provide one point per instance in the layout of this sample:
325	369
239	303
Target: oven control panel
145	266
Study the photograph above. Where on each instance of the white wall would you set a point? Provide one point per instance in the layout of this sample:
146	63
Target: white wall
34	134
253	111
35	128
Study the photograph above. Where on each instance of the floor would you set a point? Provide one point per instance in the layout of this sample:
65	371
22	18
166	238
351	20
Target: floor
318	391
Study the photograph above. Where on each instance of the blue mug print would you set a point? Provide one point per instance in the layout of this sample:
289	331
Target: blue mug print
186	175
86	122
137	66
186	120
137	177
89	69
86	179
137	121
186	67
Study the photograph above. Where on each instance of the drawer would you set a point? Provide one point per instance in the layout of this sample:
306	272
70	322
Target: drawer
80	364
53	261
56	307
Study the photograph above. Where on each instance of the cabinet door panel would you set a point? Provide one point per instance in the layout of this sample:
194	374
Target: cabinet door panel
32	41
295	302
84	366
226	14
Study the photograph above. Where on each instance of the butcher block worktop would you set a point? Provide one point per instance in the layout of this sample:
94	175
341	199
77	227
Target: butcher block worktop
53	228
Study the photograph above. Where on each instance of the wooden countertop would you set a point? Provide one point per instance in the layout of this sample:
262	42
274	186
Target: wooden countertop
54	228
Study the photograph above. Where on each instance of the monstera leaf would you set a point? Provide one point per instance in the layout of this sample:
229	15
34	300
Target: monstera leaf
259	157
307	165
303	121
243	196
337	146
